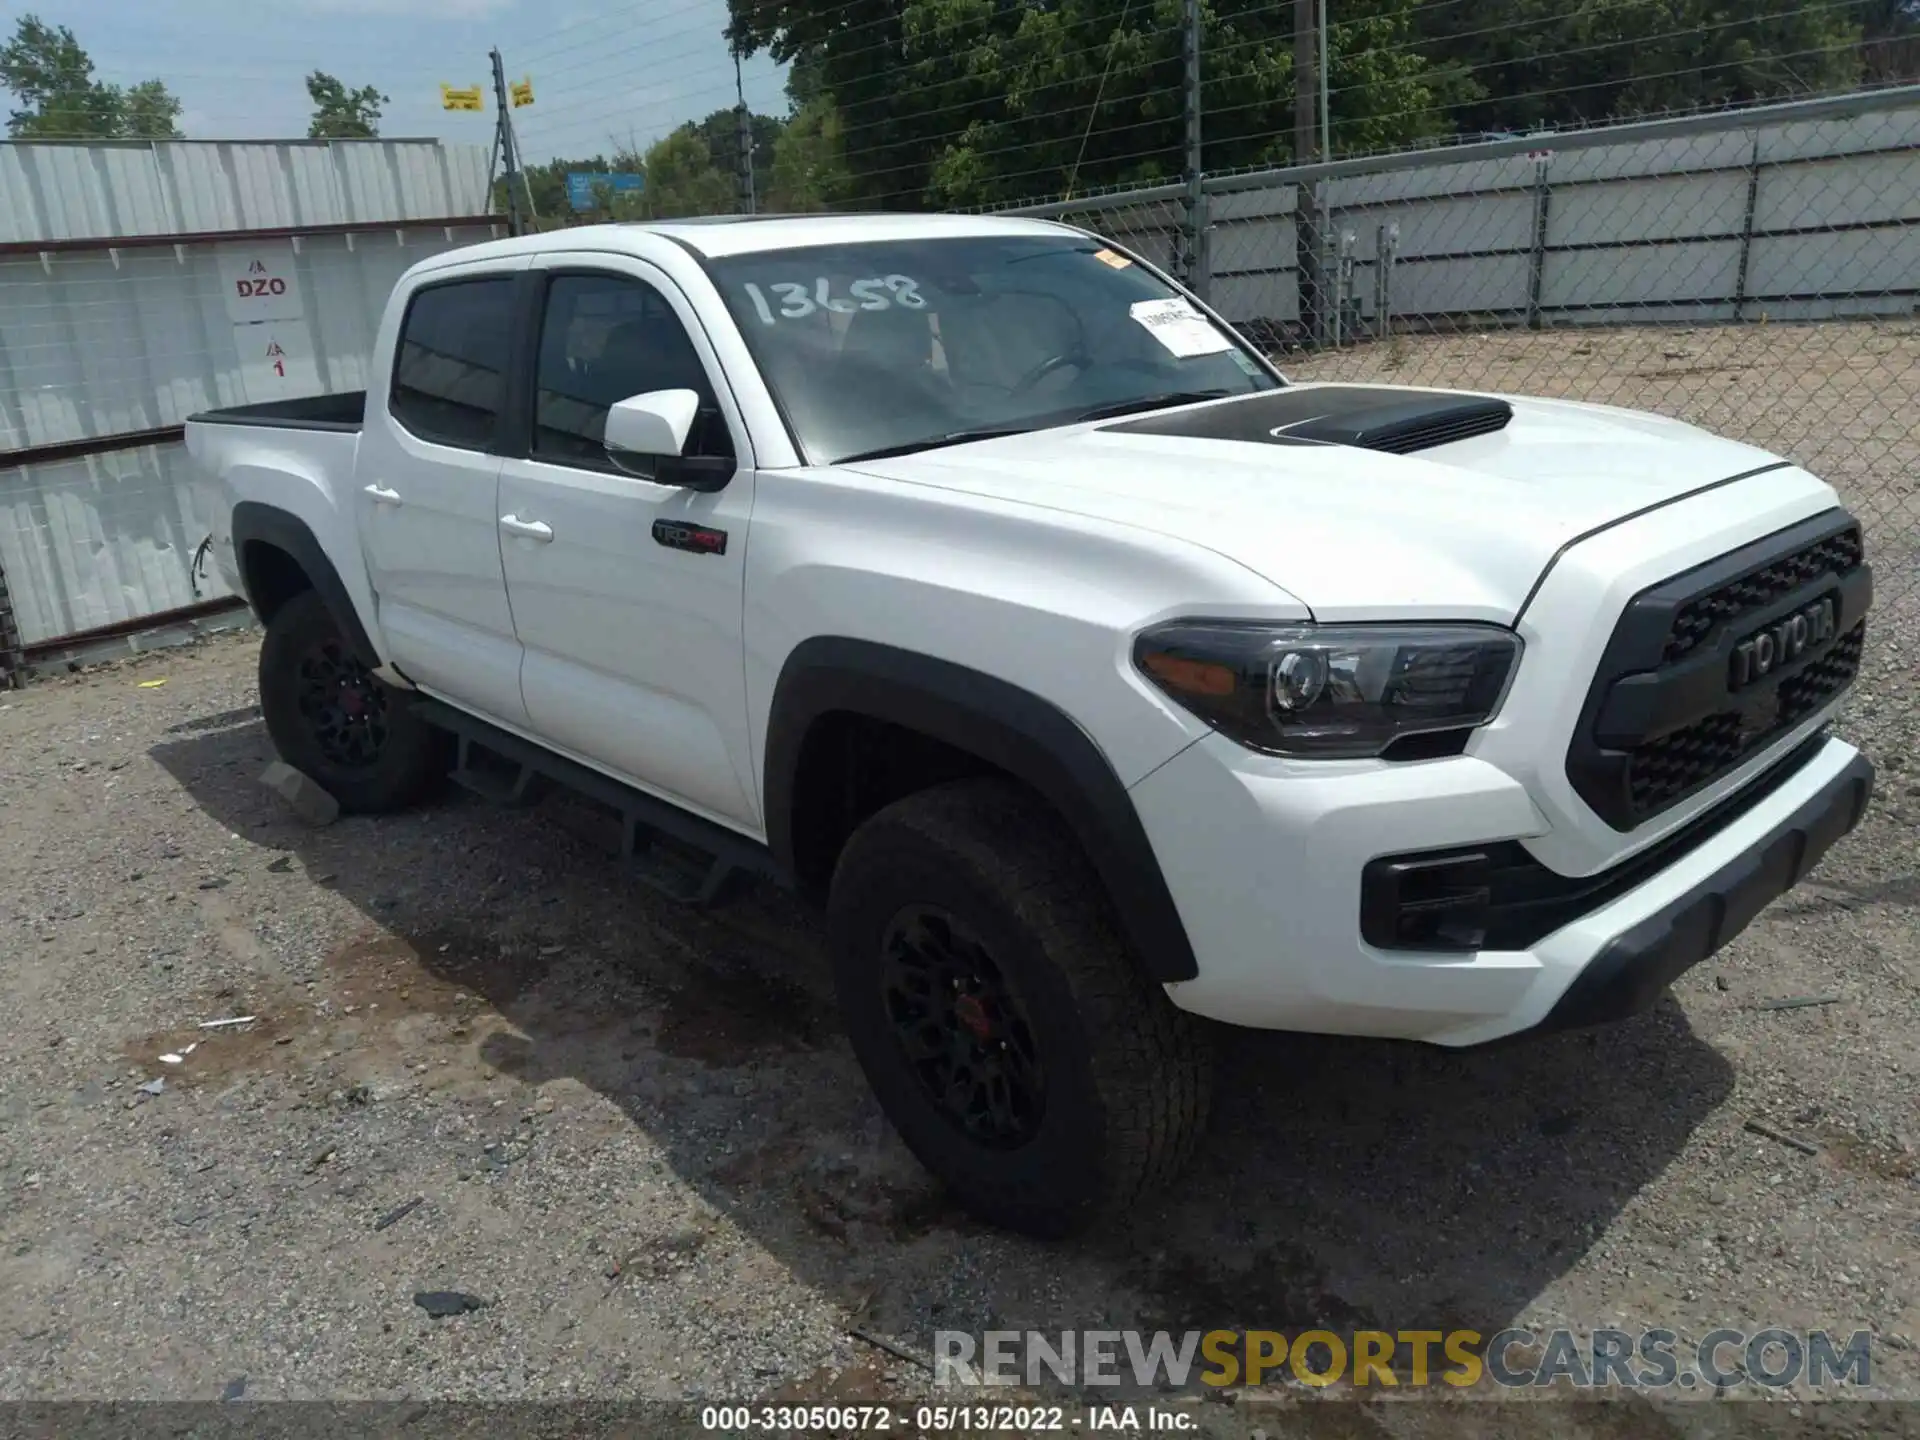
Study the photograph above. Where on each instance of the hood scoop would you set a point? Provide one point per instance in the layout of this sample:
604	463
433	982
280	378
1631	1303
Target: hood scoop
1362	417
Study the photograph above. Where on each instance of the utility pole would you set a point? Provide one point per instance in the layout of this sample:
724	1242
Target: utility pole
1195	261
509	152
1306	216
1321	72
748	200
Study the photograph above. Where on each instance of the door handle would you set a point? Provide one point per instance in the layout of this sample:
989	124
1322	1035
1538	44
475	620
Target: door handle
531	529
383	496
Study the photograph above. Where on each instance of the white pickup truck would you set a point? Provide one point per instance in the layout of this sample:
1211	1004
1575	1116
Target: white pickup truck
975	579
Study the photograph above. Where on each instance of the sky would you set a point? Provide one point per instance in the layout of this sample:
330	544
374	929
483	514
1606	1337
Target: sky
603	71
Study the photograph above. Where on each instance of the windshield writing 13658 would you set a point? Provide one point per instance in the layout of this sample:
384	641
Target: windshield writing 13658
797	301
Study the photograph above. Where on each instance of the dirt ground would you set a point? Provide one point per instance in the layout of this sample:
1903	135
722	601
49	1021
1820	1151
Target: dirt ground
637	1138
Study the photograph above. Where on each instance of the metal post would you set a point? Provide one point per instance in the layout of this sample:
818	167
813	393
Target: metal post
1307	266
1386	240
1195	266
12	662
1537	254
510	158
744	143
1345	318
1746	232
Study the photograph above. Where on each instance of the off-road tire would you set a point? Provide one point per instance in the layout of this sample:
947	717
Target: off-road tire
1128	1076
402	767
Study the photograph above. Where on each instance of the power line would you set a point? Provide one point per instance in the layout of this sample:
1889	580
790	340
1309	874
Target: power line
1024	143
1002	178
548	126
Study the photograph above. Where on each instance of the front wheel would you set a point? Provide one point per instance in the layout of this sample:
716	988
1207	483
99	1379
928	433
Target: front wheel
1010	1036
331	719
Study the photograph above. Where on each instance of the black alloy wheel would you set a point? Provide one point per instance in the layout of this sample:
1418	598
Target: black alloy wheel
343	705
961	1028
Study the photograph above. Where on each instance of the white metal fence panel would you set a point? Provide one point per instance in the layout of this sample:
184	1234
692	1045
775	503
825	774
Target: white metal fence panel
1624	212
1253	244
1793	218
100	539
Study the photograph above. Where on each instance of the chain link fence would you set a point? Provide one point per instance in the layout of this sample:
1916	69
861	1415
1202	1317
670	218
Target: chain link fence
1756	274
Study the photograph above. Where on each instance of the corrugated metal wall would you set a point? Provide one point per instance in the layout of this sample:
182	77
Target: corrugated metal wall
139	187
98	343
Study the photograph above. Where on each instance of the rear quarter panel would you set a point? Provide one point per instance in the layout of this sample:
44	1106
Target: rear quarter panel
309	474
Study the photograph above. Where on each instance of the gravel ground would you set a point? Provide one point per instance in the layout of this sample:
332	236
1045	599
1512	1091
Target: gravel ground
637	1137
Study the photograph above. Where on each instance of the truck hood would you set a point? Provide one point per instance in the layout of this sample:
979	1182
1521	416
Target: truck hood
1461	529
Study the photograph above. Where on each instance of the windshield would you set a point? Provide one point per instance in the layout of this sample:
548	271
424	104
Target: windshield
896	344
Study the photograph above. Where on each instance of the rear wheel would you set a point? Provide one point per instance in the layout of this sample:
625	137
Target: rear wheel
331	719
1009	1034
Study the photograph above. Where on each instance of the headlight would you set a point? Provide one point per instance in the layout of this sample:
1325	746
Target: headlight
1346	691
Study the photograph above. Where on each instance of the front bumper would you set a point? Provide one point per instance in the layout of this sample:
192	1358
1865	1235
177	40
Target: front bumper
1637	965
1265	860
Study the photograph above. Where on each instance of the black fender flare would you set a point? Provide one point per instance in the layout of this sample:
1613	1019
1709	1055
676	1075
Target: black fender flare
1028	737
256	523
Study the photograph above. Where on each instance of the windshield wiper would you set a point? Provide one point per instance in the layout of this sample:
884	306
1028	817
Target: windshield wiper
952	437
1146	402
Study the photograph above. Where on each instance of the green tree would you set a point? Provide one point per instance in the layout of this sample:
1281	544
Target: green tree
1550	63
809	169
151	112
1892	34
548	182
45	68
343	114
691	171
805	81
681	180
721	132
986	101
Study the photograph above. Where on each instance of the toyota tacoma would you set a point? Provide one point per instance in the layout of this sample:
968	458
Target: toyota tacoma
1100	684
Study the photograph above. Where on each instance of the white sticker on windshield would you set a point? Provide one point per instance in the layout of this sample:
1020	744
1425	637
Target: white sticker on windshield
1178	326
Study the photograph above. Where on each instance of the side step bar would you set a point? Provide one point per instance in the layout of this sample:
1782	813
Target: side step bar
680	855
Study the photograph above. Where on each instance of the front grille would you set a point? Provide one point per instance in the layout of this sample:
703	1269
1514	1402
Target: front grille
1670	713
1761	587
1663	771
1820	682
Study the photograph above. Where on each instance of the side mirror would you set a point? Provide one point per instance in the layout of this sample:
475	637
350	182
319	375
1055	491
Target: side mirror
646	437
654	424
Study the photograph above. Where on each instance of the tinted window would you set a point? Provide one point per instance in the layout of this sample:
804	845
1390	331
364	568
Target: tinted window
450	380
899	342
607	338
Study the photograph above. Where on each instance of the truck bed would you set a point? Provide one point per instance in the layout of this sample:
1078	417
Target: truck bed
345	411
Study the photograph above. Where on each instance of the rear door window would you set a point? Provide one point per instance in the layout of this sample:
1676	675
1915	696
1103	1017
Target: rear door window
450	376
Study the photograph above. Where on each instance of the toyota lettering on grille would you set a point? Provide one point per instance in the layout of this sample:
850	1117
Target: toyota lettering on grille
1786	640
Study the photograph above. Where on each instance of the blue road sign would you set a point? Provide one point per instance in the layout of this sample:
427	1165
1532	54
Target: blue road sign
585	187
